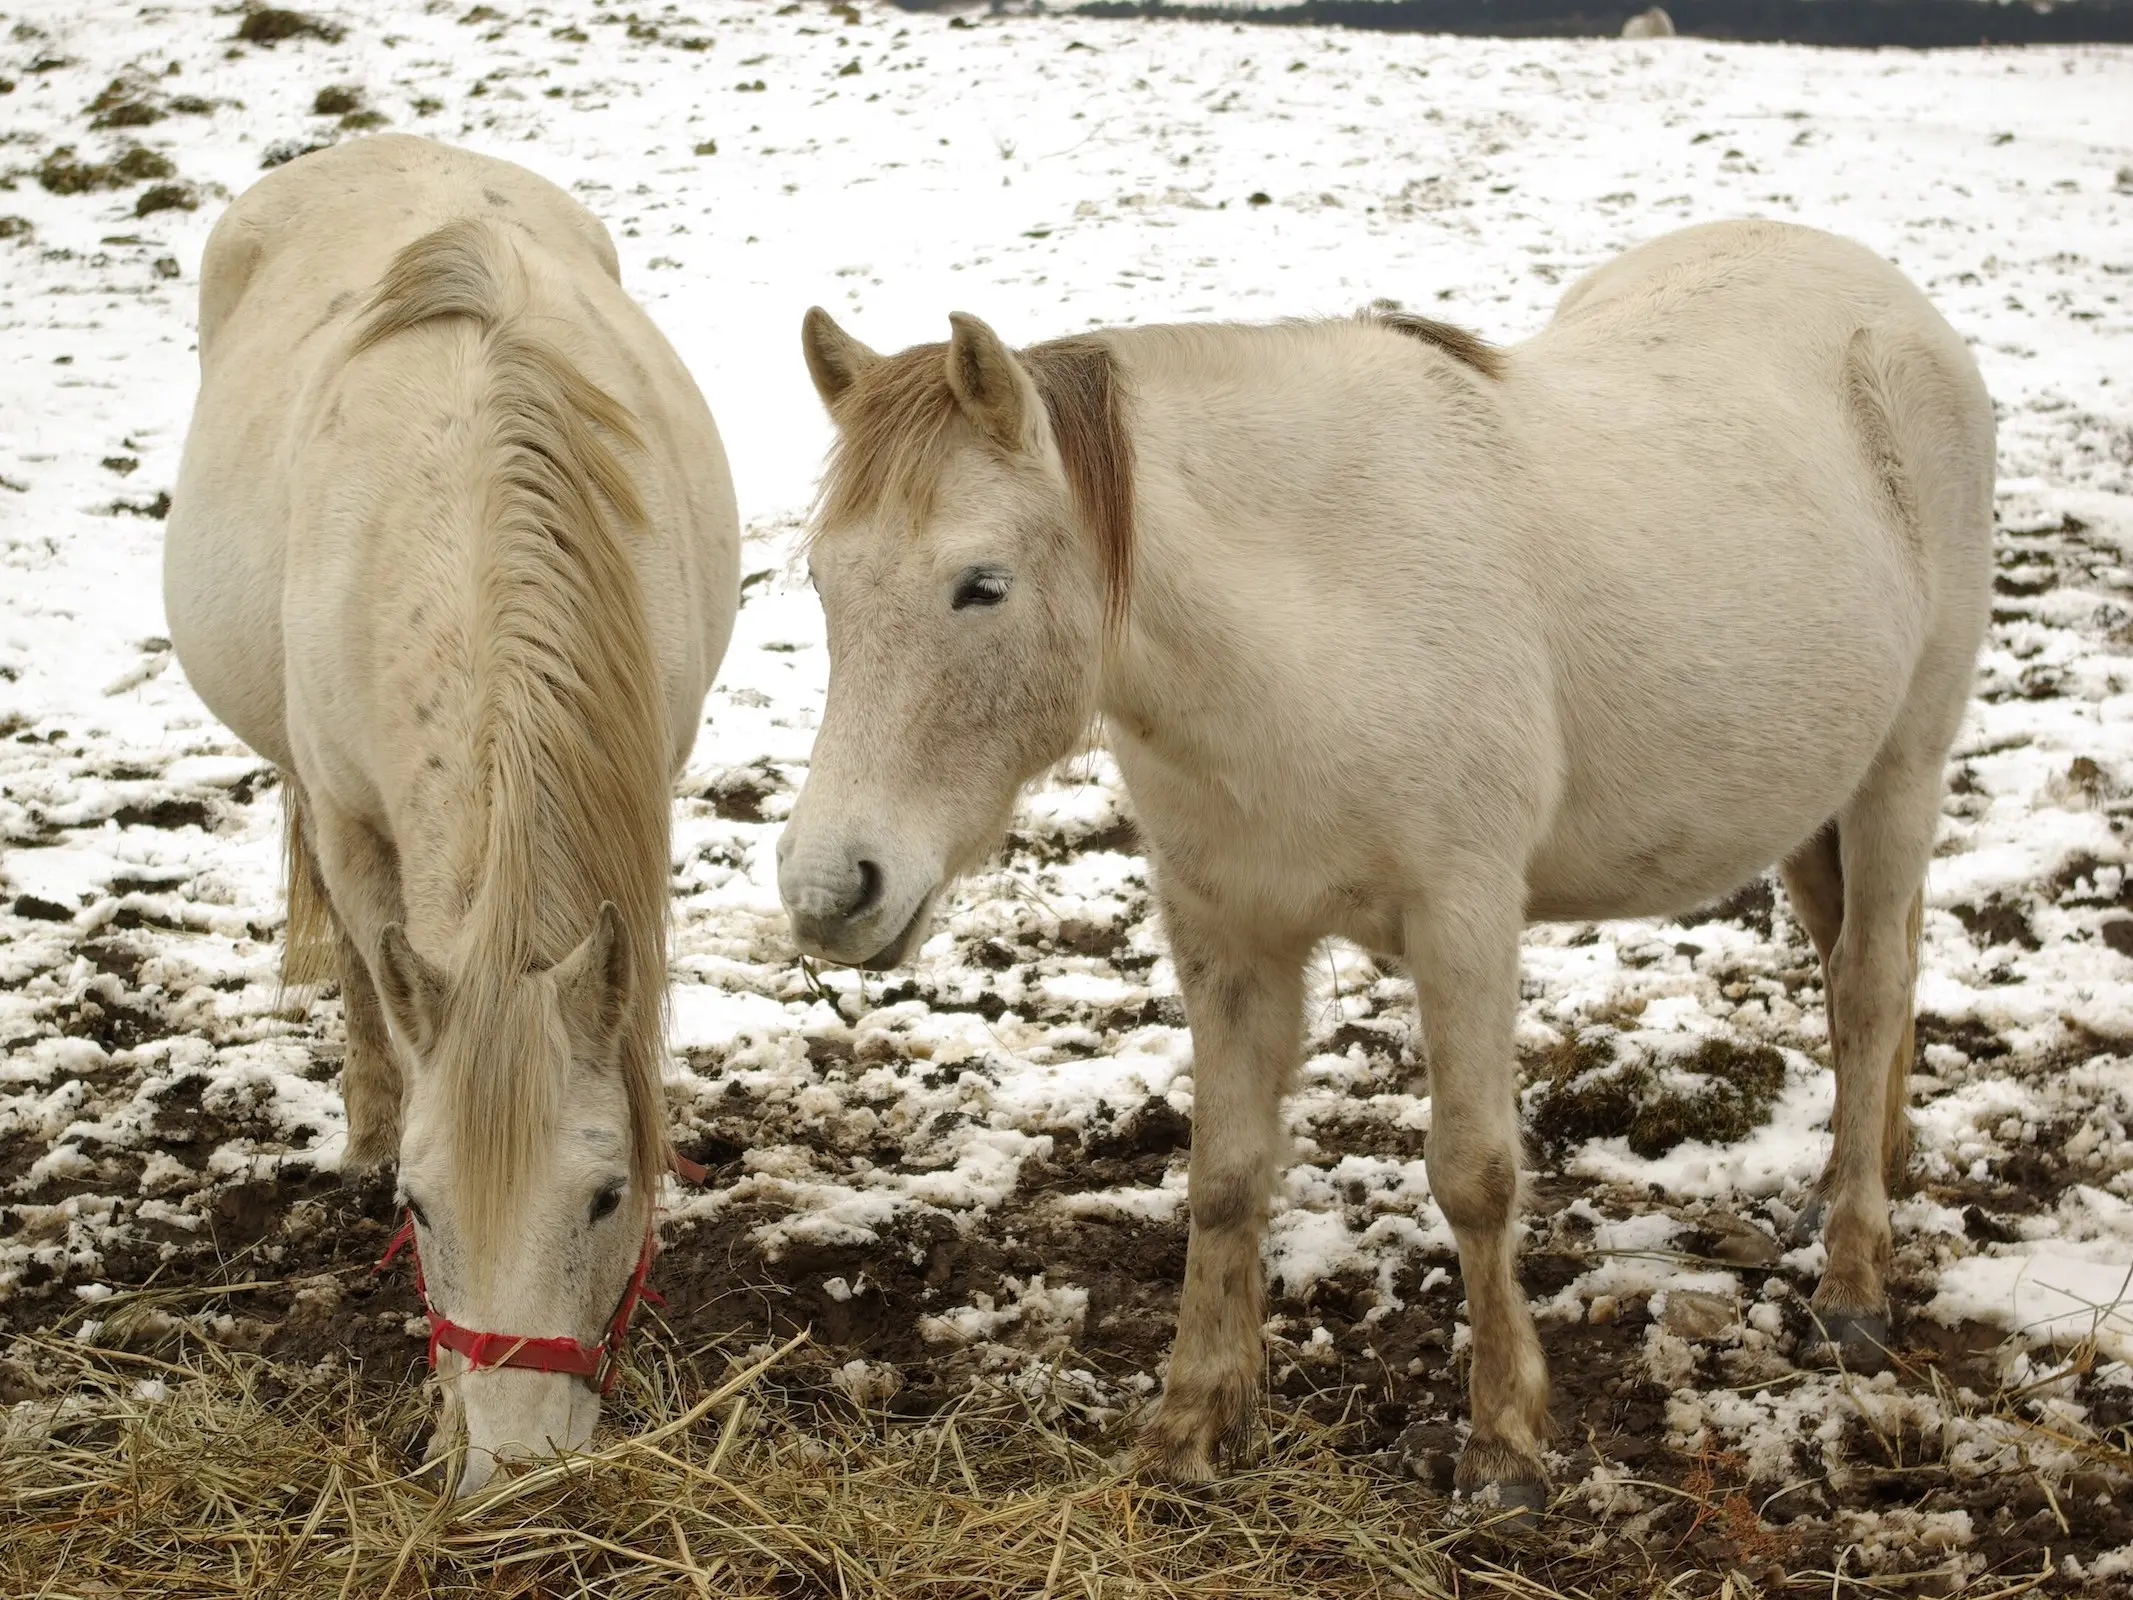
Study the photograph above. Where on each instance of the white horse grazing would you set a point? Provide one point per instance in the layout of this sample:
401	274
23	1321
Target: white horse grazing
454	545
1408	639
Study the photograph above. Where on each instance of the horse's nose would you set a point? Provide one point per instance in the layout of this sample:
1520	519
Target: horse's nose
829	895
834	892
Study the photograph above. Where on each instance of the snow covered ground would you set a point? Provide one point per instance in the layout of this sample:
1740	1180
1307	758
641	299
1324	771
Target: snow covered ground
980	1158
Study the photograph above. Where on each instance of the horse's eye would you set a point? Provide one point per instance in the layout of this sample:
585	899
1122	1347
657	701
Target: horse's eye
605	1201
980	586
422	1217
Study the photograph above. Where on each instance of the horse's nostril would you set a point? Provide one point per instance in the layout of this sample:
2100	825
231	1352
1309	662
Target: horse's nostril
869	889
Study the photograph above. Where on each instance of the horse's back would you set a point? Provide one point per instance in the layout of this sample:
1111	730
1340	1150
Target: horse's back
1776	460
329	223
289	269
1732	314
1811	373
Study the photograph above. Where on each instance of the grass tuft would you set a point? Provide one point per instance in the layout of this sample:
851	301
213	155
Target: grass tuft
1718	1093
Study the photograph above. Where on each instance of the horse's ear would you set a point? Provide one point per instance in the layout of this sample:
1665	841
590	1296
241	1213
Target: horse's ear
994	389
411	987
593	985
834	358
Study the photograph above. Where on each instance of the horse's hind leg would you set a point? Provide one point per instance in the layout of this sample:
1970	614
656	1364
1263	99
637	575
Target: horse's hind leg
1885	837
1814	884
1244	999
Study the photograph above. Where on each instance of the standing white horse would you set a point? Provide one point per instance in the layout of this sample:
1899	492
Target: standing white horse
454	545
1408	639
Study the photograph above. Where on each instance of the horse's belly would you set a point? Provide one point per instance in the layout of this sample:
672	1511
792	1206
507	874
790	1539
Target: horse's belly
1665	823
222	603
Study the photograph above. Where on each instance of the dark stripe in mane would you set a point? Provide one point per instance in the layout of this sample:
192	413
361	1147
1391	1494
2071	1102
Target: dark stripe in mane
1466	348
1086	404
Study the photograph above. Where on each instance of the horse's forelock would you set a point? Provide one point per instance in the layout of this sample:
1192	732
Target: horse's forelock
496	1062
895	440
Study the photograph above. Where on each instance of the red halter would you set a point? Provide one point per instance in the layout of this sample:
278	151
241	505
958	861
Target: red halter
595	1363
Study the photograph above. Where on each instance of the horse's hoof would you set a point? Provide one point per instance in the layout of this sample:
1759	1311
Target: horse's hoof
1176	1461
1807	1226
1506	1486
1856	1341
1176	1449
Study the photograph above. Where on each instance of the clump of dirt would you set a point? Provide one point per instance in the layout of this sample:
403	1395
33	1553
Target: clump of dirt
1718	1093
739	795
127	102
15	228
269	25
1998	921
155	510
168	811
285	151
345	100
63	172
167	197
1752	906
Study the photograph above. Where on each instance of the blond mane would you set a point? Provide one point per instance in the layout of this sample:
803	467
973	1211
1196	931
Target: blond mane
894	442
572	755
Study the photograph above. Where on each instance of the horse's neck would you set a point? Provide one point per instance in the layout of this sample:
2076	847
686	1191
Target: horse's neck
1232	428
498	849
1288	481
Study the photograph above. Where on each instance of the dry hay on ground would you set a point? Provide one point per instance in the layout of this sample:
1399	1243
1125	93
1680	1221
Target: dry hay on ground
207	1472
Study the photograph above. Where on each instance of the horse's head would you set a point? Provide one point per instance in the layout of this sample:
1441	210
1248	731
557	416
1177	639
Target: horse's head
966	604
515	1166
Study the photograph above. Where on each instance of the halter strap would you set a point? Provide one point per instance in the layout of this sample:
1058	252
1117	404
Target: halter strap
597	1364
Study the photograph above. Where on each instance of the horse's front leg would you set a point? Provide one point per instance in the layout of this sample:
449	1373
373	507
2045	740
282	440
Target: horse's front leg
370	1074
1462	942
1244	1000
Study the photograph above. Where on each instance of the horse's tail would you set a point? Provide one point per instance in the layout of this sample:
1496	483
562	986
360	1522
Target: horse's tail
1879	383
310	947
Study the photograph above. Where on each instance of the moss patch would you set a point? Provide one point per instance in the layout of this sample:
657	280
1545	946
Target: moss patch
126	102
65	173
270	25
287	150
1585	1089
167	197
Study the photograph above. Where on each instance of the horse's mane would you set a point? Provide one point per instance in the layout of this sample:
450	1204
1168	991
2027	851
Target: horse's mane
894	443
1469	349
572	746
